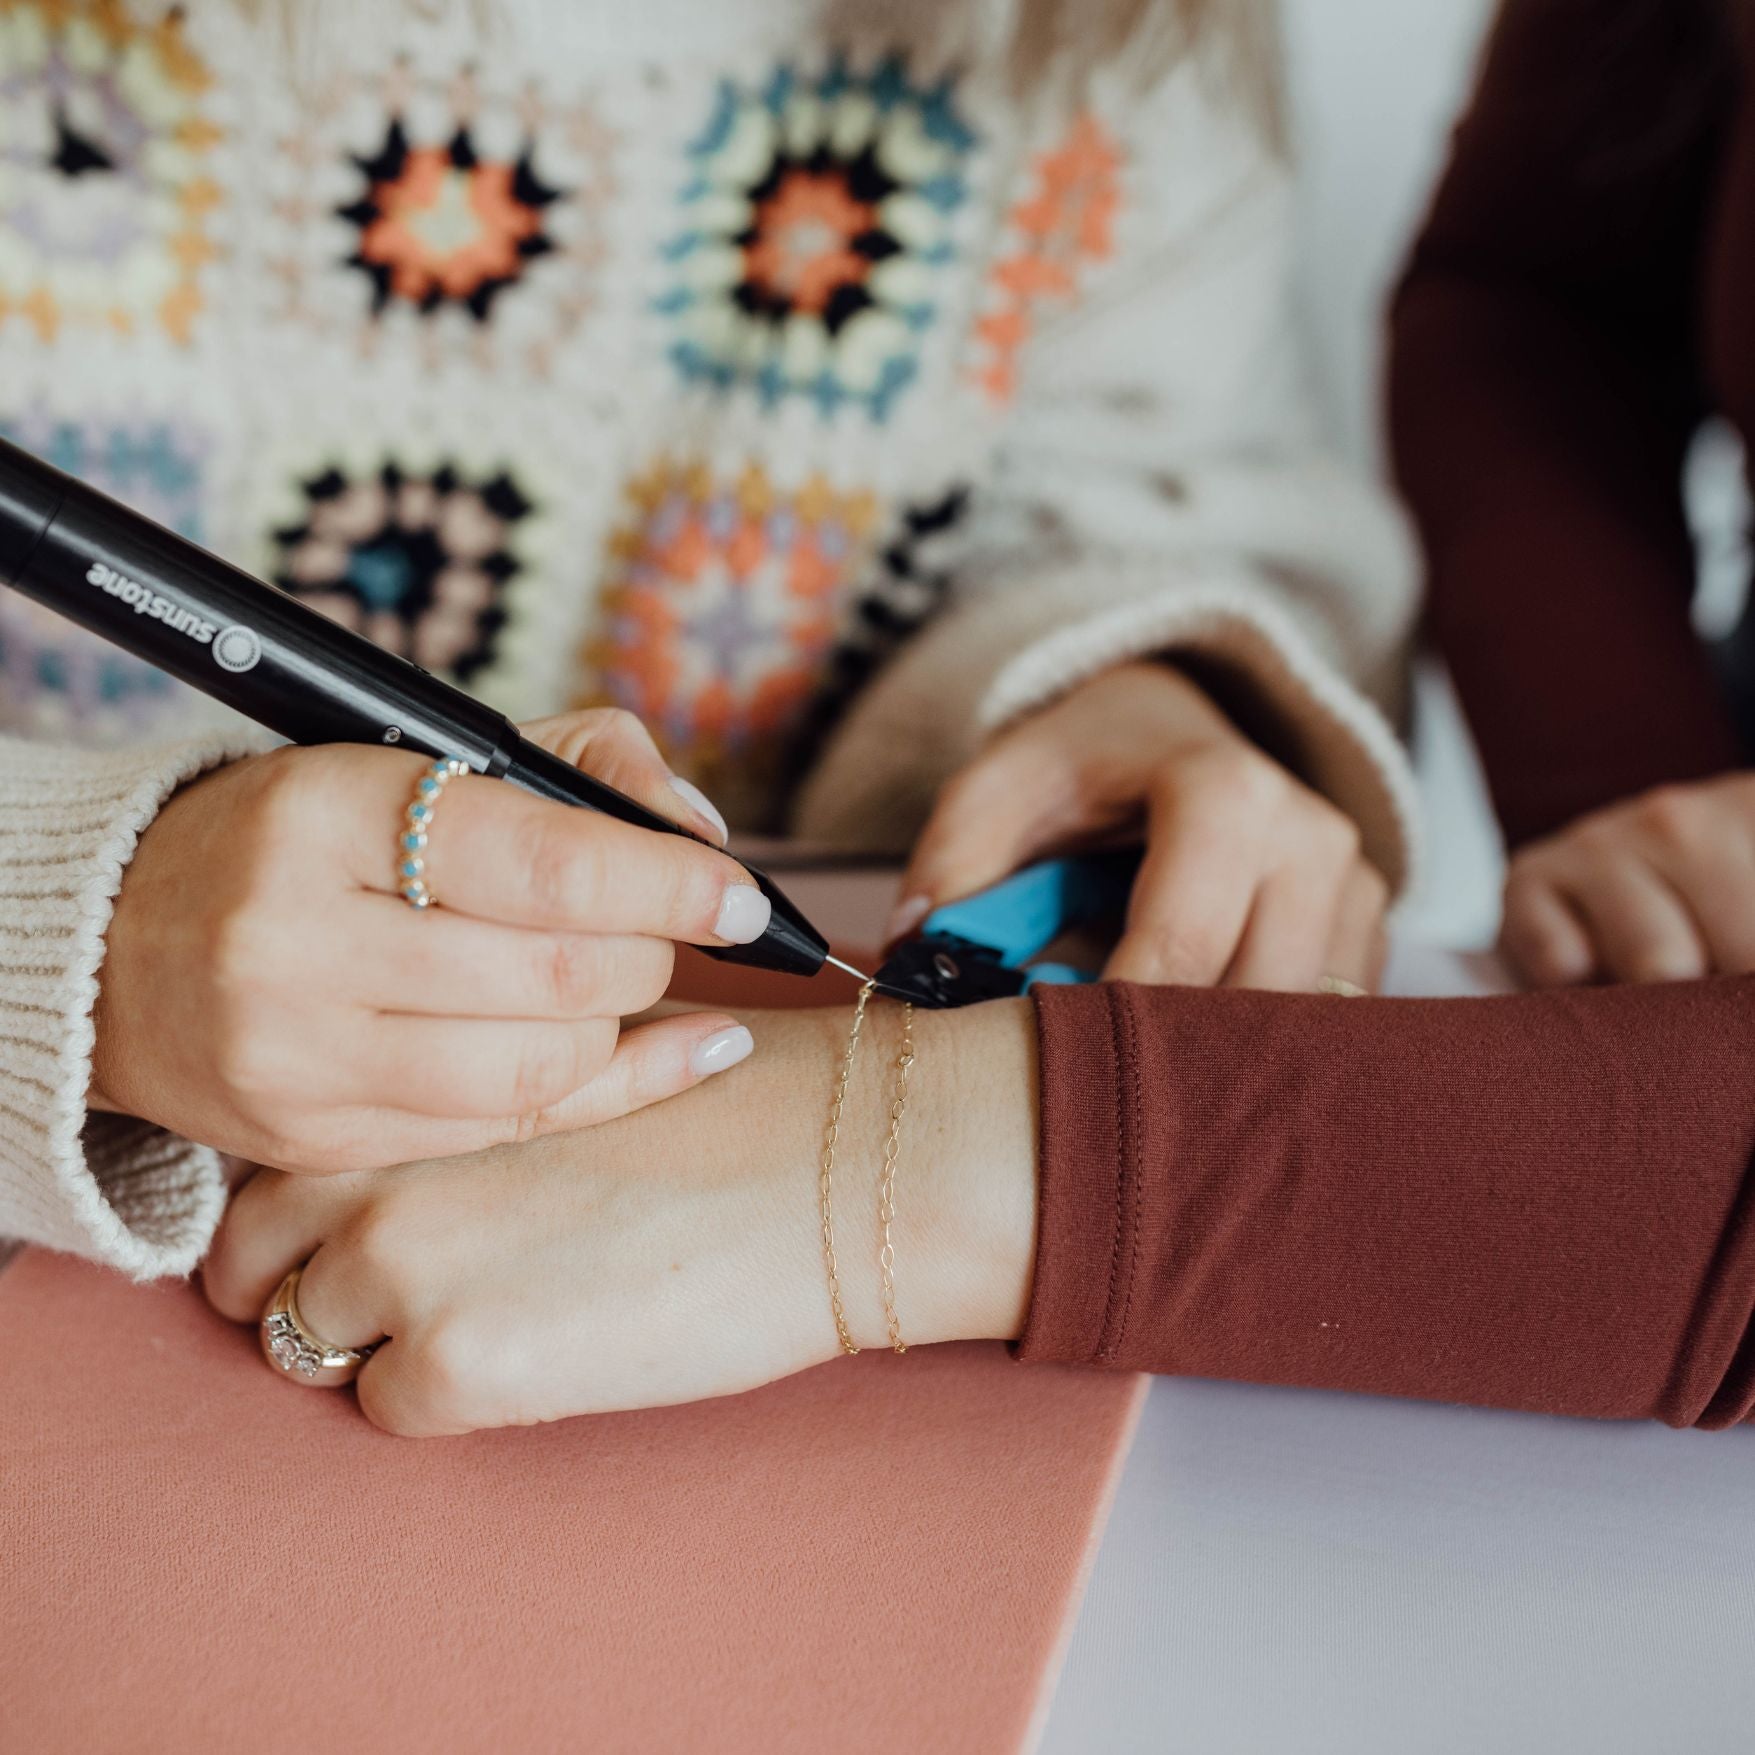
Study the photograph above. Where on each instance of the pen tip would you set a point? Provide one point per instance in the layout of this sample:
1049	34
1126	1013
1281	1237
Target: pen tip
857	974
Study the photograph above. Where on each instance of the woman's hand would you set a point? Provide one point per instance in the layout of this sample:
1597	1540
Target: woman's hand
266	991
672	1255
1661	888
1249	878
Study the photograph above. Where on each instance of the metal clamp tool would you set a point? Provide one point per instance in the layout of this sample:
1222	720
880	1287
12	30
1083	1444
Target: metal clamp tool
980	948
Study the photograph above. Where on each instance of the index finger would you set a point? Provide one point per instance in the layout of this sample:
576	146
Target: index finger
501	854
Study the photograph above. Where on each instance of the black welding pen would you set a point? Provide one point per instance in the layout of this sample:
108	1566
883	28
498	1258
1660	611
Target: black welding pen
280	663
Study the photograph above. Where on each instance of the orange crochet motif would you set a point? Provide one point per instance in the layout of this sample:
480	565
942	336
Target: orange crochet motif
1067	222
719	610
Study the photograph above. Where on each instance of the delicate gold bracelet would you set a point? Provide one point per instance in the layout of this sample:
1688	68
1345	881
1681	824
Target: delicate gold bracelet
886	1181
826	1178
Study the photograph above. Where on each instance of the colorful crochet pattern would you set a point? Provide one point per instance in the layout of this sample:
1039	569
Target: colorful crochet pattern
106	191
418	560
1067	222
405	197
819	218
52	673
720	609
906	584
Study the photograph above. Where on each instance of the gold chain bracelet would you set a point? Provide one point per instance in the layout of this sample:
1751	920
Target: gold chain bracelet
886	1181
826	1179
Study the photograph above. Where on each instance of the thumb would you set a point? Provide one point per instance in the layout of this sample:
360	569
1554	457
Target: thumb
613	746
988	821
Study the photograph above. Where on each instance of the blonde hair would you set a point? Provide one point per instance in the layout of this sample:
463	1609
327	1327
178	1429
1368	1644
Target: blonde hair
1055	47
1235	42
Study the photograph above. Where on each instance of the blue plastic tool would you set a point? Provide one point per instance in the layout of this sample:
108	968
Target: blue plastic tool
980	948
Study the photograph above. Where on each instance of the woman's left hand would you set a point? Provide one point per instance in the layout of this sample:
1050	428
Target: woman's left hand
1249	879
666	1257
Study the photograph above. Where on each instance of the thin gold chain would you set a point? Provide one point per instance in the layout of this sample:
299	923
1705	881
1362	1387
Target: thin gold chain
887	1183
826	1179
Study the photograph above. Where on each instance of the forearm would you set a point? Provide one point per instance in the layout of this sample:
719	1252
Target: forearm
1535	1202
1544	385
1538	1202
1545	478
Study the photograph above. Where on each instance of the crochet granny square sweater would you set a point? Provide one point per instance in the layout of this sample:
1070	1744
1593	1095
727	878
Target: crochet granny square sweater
777	369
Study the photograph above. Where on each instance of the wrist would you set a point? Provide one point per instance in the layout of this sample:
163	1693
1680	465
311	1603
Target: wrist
965	1190
977	1141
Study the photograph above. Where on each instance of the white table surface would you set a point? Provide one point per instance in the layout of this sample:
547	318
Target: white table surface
1292	1573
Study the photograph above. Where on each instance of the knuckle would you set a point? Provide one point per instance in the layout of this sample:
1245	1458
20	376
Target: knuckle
1185	953
693	886
396	1405
1651	964
291	784
453	1364
652	981
250	1061
376	1244
560	872
552	1065
570	735
1670	816
1338	833
571	973
618	723
1523	881
1236	773
1373	887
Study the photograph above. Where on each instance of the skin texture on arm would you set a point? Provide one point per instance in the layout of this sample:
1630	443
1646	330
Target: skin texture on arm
674	1254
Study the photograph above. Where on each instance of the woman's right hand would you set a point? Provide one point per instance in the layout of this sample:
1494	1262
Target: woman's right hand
265	991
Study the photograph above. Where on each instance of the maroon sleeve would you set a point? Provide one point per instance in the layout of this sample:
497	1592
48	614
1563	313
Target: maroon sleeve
1543	390
1541	1201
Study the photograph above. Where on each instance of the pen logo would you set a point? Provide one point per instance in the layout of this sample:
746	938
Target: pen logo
236	648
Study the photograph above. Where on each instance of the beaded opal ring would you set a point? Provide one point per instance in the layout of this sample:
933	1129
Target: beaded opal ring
411	857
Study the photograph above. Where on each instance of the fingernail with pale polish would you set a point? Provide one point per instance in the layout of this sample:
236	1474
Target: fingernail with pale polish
722	1049
905	916
743	915
700	803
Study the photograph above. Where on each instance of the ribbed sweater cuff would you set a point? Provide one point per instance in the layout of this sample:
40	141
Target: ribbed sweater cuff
1336	738
118	1190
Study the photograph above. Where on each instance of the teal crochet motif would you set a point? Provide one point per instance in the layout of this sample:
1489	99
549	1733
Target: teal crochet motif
821	219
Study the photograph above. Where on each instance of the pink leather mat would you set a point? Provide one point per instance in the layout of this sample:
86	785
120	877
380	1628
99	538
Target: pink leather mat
883	1554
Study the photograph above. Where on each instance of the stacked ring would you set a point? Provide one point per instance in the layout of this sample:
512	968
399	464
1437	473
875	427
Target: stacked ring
411	860
295	1352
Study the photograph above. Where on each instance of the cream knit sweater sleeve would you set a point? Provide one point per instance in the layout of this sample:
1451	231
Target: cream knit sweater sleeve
1162	491
118	1190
